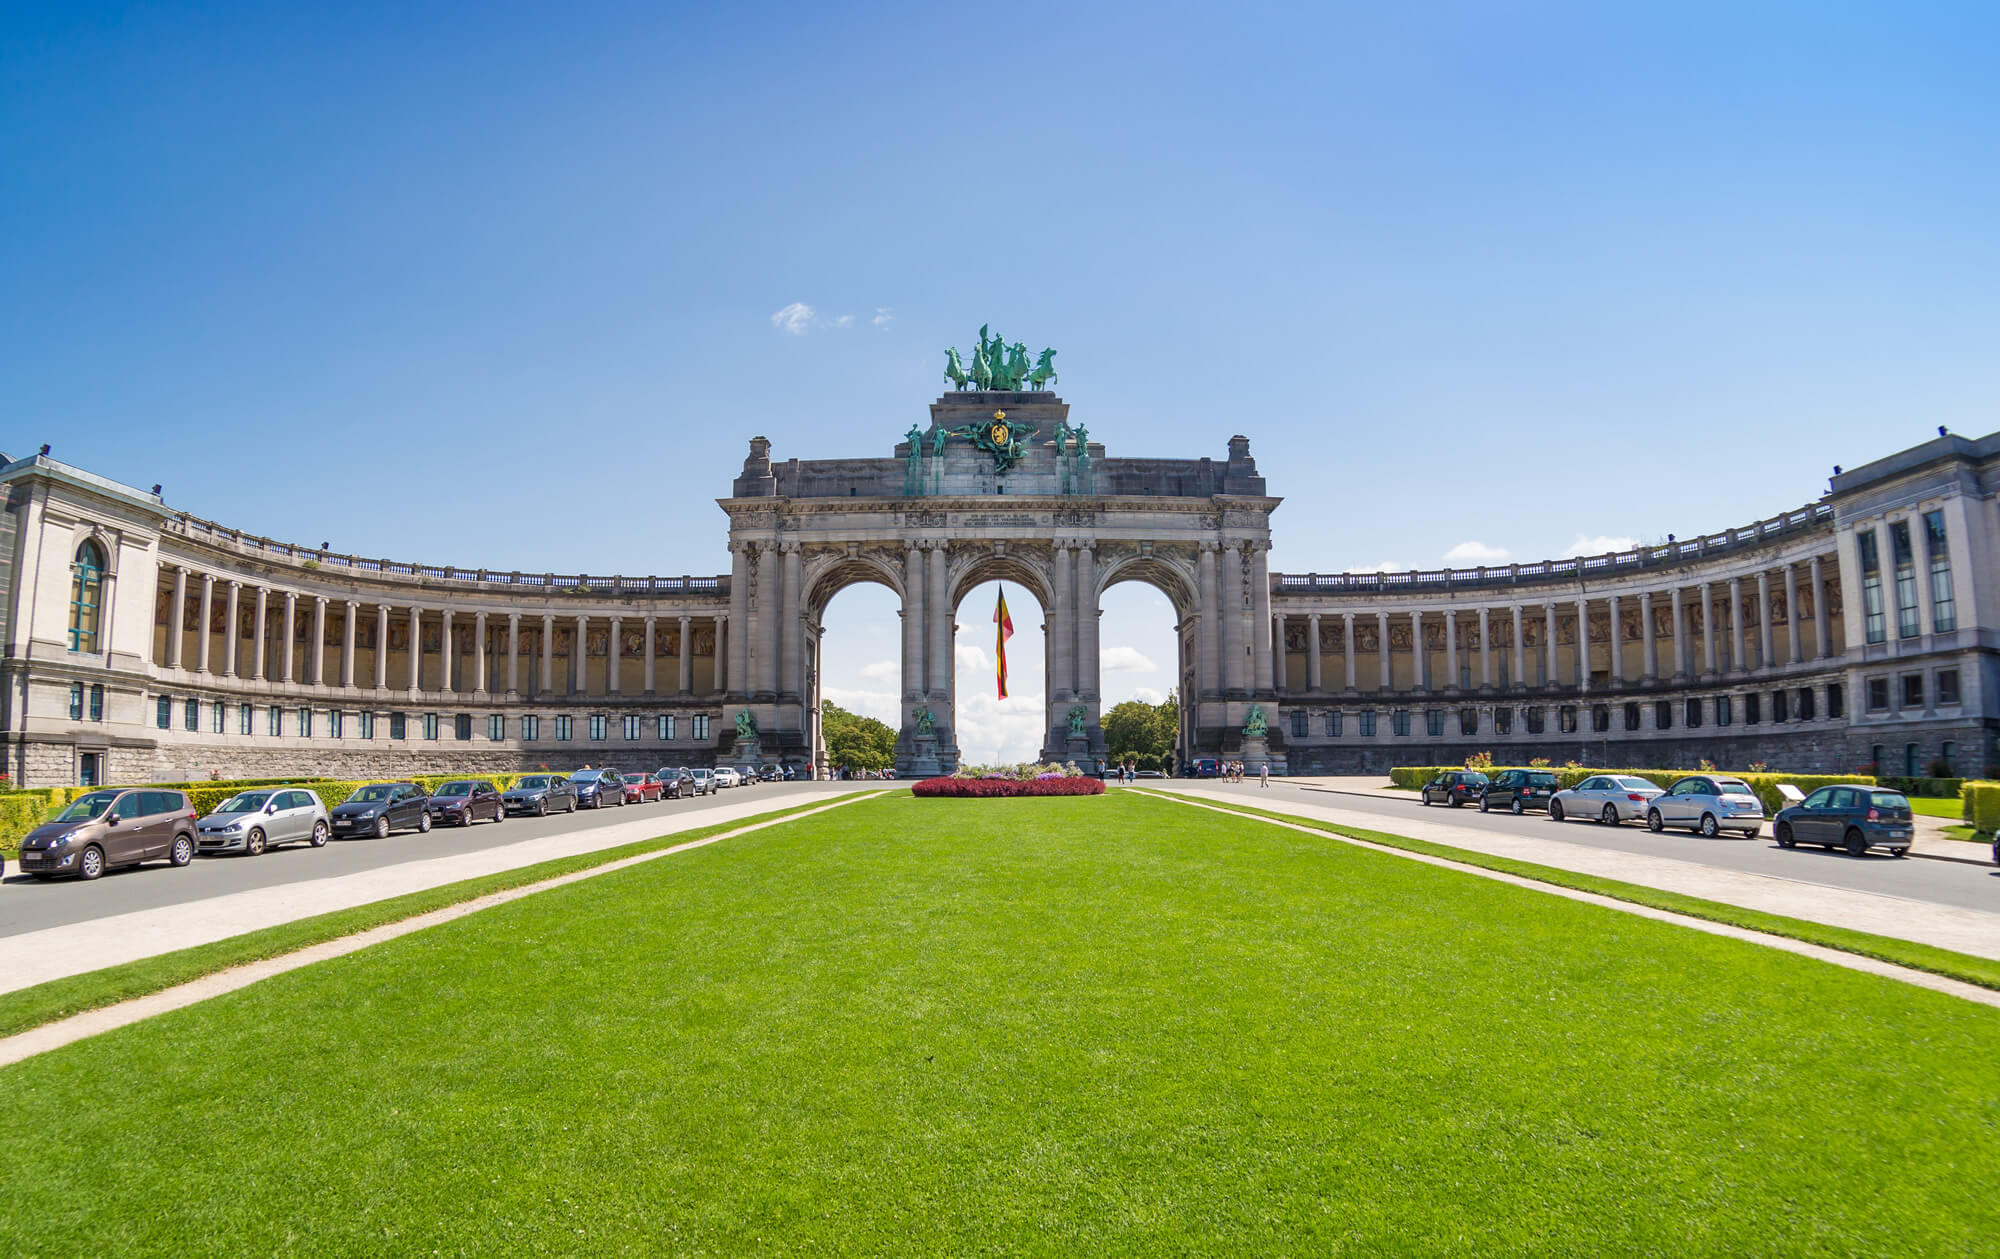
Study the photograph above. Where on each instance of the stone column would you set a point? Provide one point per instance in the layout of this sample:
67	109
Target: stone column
1549	632
201	639
548	677
1347	650
770	619
1485	649
1617	646
1736	661
1235	653
1419	657
1651	661
1764	651
1583	646
480	682
381	646
1260	608
1212	613
791	628
1312	653
738	660
513	653
1709	664
915	683
177	618
416	649
263	642
687	654
614	659
937	603
1087	622
347	636
1520	651
1277	632
1822	624
1680	639
652	645
291	611
1792	609
447	655
579	658
1450	649
229	631
316	658
1382	654
1062	628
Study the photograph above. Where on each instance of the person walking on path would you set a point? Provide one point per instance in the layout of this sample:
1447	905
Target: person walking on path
1263	773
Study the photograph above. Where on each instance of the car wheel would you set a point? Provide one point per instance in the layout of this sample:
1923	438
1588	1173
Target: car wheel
1517	806
91	864
1654	822
1784	835
1610	817
465	818
319	835
1899	852
1427	797
1856	845
1482	805
382	827
1555	811
500	814
424	822
183	850
253	843
542	809
1708	828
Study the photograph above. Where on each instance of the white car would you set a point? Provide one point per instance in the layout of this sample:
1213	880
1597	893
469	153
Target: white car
1606	798
727	777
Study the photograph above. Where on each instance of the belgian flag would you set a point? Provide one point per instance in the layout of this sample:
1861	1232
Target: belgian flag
1004	632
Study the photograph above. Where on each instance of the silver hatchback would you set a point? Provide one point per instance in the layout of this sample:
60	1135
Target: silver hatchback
1709	805
251	821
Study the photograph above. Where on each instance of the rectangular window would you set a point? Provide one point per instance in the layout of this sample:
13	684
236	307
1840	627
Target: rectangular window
1948	753
1753	708
1694	714
496	727
1368	719
1878	696
1631	716
1871	588
1723	715
274	722
1298	725
1947	686
1663	715
1399	723
367	725
1805	704
165	716
1600	717
246	719
1503	721
666	728
1434	722
1566	719
1333	725
700	721
192	717
399	726
1944	611
1836	701
1780	707
333	723
531	728
633	724
1913	690
1906	579
461	727
76	701
1535	719
598	725
305	723
1468	721
432	727
563	728
219	718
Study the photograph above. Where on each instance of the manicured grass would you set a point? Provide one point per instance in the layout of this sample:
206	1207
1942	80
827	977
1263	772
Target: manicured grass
1953	808
60	998
1102	1025
1971	969
1968	834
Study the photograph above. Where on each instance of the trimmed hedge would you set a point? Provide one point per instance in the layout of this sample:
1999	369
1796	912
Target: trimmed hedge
1979	805
1929	788
994	788
1765	786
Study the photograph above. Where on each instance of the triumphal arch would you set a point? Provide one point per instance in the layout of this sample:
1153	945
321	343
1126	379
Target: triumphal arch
999	485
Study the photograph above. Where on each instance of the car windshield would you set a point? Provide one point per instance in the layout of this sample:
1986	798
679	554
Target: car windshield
1890	800
248	802
84	808
374	793
1635	784
456	789
585	776
532	784
1732	787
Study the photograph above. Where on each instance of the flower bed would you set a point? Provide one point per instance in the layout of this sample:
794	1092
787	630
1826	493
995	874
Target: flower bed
993	788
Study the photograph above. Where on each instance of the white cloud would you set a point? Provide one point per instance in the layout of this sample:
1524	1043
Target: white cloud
970	657
1123	659
1386	566
843	321
794	319
1599	545
882	671
1147	695
881	705
883	317
1475	553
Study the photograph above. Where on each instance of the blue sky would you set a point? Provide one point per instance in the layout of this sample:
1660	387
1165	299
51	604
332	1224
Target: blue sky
1586	247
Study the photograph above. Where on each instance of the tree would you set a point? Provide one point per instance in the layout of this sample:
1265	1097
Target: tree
855	741
1143	734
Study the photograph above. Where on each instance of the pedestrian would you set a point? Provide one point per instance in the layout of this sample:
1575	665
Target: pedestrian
1263	773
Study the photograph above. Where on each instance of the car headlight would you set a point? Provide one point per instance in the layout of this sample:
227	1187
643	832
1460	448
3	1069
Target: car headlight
233	826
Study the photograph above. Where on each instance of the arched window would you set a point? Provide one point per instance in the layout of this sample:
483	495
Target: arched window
86	596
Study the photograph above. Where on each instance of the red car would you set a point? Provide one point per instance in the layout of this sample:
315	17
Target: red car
639	788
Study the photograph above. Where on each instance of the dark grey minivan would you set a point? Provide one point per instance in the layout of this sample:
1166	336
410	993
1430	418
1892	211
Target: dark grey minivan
113	827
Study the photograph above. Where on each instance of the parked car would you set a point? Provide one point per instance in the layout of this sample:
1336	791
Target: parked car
642	788
1151	773
464	802
675	783
1519	790
541	795
598	788
380	808
251	821
1455	787
1707	805
1855	818
776	773
704	781
118	826
1607	798
726	776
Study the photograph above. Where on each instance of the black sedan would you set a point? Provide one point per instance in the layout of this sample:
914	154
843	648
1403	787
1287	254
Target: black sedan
675	783
465	802
540	795
380	808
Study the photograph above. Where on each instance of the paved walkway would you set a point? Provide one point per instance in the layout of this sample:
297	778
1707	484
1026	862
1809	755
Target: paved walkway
1946	926
36	957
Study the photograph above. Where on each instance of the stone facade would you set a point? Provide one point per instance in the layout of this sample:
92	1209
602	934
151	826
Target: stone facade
137	642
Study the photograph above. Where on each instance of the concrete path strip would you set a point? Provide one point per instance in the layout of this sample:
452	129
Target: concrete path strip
77	1027
36	957
1852	961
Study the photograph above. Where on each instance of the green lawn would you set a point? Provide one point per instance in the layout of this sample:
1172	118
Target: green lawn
1072	1026
1953	808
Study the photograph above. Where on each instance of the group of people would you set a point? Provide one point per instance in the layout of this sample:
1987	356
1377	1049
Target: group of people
1232	771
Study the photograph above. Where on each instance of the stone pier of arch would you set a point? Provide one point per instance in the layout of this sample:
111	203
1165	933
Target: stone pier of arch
1064	526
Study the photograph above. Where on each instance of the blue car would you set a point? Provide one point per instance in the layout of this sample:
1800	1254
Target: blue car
598	788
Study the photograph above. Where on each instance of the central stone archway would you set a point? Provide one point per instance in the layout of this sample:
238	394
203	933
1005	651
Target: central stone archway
1057	517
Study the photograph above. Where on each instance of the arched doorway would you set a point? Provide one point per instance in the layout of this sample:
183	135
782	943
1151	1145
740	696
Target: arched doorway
992	730
852	609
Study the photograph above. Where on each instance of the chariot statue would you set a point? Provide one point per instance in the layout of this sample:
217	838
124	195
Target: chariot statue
746	725
1254	724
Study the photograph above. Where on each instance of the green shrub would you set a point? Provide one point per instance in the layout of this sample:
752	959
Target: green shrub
1979	805
1932	788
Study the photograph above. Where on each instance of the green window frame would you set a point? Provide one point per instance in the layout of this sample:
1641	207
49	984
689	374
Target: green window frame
86	596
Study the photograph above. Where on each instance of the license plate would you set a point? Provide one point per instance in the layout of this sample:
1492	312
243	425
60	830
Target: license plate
1899	834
